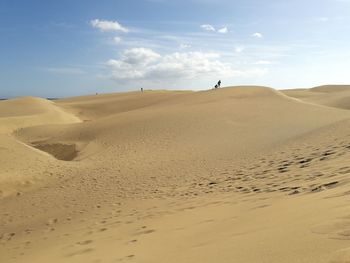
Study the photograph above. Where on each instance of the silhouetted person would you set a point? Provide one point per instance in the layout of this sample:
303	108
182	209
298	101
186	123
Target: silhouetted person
141	89
216	86
219	83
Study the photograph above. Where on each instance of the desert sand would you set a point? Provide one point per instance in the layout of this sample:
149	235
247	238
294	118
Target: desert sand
239	174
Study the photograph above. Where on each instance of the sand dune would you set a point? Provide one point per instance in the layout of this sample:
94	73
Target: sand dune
337	96
240	174
21	164
214	123
28	111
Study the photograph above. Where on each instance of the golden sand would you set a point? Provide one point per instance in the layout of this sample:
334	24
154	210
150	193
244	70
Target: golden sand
239	174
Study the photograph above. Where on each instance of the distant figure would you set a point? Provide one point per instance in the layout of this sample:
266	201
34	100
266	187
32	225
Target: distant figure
141	89
218	85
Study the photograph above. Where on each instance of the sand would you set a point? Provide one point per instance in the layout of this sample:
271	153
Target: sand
239	174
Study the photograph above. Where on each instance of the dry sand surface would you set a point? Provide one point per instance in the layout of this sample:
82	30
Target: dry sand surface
241	174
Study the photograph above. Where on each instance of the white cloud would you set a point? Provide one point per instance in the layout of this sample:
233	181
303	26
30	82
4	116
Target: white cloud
257	35
263	62
117	40
239	49
105	25
140	56
145	64
183	46
208	27
223	30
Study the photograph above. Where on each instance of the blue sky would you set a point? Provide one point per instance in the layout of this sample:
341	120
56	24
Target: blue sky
73	47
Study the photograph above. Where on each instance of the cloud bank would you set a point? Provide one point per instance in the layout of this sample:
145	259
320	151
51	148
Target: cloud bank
146	64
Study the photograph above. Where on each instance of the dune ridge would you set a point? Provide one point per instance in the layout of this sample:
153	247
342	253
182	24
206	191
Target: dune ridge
337	96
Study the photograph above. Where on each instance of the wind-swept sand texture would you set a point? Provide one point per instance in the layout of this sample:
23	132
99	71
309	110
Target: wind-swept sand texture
241	174
337	96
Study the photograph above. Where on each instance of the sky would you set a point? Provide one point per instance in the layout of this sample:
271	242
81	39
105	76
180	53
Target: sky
74	47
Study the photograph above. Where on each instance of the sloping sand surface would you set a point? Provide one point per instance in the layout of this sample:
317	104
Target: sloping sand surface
337	96
21	164
241	174
29	111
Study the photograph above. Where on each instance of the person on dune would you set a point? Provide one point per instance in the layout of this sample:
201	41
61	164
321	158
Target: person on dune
218	84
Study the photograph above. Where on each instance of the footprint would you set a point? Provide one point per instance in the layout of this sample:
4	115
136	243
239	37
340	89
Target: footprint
305	160
331	184
51	221
80	252
344	170
145	232
7	236
86	242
